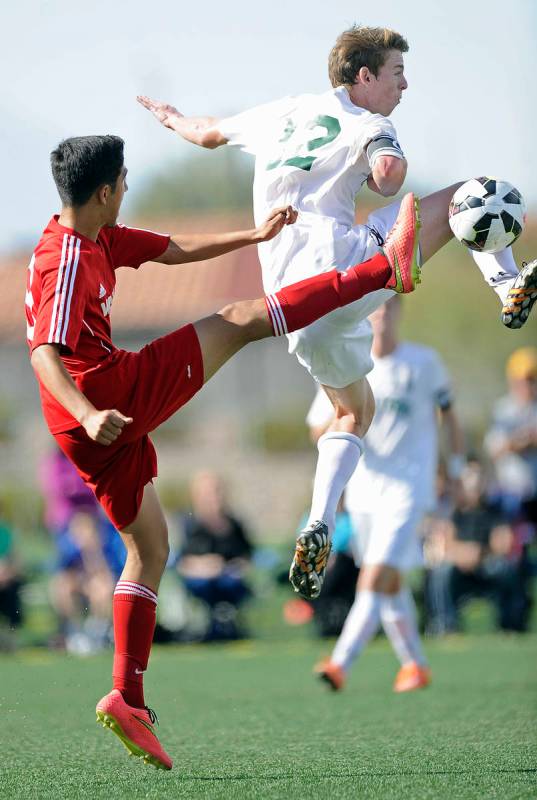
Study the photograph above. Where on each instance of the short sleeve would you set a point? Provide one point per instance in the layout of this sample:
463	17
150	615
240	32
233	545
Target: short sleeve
439	382
321	410
255	129
59	316
130	247
379	138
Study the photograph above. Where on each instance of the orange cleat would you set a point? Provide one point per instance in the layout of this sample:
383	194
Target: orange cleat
331	673
412	676
134	726
402	247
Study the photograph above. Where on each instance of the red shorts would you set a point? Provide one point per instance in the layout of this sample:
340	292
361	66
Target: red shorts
148	386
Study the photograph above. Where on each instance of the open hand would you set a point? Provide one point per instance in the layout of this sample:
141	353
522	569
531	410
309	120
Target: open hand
162	111
104	427
286	215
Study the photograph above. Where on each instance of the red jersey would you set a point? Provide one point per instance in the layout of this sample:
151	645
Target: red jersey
69	293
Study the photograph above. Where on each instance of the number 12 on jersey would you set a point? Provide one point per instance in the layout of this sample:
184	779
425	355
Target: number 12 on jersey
298	145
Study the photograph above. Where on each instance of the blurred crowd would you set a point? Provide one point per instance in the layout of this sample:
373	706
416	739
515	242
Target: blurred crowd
477	543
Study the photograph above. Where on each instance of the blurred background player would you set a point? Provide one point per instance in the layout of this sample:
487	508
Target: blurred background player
101	402
316	152
390	492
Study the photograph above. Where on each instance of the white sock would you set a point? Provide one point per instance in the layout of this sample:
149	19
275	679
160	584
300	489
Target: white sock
399	620
498	269
363	621
337	460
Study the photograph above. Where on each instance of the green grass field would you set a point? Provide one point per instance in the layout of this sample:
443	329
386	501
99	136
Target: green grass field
249	721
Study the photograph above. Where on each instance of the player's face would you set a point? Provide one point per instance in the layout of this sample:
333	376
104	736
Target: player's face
116	198
386	89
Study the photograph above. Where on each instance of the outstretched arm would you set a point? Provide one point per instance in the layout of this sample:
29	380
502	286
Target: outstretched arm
185	248
198	130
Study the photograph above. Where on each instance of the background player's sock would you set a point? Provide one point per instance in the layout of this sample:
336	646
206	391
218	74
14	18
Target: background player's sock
300	304
135	607
338	456
498	270
399	620
362	623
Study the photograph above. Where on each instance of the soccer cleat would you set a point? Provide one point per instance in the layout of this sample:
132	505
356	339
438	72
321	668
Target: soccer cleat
310	559
521	296
134	726
401	247
330	673
412	676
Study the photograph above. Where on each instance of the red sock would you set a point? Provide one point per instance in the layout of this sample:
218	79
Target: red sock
300	304
135	607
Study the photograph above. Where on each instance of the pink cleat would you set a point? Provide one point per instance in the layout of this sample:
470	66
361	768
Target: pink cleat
134	726
402	247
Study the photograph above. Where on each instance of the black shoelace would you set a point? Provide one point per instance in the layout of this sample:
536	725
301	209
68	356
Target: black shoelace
152	716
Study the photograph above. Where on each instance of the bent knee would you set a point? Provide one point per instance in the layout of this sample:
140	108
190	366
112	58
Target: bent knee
355	420
246	321
380	578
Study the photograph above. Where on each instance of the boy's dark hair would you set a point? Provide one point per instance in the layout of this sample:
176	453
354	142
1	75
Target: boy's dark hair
82	164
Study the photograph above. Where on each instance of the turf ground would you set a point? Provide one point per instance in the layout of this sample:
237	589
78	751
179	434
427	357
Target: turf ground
248	721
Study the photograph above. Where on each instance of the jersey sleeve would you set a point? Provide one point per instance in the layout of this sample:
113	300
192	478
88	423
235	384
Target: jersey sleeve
379	138
255	129
440	382
59	315
131	247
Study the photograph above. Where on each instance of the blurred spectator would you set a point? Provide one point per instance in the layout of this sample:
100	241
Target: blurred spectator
10	585
216	556
475	554
83	586
64	492
89	556
511	441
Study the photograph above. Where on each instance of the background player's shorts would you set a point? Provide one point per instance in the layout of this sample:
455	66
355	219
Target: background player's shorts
336	349
149	386
388	535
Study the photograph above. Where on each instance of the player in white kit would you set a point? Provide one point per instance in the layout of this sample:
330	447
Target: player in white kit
314	152
391	490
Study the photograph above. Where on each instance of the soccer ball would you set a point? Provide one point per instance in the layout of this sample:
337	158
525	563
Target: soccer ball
487	214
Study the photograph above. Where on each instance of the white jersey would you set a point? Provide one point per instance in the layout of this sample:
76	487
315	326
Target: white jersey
312	153
401	446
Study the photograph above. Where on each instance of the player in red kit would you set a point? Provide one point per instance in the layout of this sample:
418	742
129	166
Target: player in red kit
100	403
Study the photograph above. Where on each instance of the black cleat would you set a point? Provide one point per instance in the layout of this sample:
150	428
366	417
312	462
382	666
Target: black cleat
521	297
310	559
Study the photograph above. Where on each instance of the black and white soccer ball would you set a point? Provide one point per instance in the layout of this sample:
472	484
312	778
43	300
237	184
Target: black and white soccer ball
487	214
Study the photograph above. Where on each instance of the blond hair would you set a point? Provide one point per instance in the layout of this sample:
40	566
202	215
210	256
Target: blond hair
359	47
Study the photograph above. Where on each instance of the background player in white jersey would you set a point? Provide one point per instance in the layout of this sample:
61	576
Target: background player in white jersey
315	152
391	490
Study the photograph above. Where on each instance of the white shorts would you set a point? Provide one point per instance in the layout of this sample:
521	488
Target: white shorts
388	536
336	349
